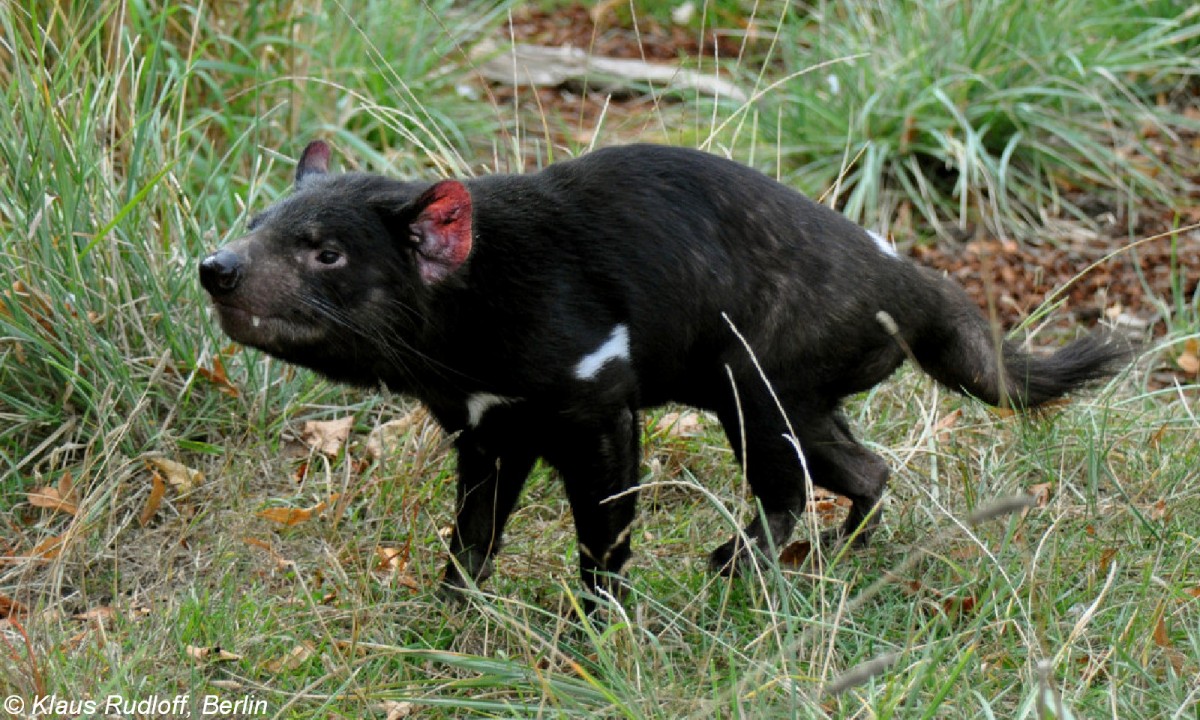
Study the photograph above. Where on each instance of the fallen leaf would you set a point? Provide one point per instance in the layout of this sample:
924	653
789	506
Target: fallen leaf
956	607
680	424
294	516
210	654
1156	438
942	428
286	516
386	438
394	709
1161	638
51	498
391	559
98	616
177	474
158	489
1041	493
327	436
795	554
1188	363
217	377
294	659
61	497
393	566
49	548
1106	559
828	507
10	608
1159	510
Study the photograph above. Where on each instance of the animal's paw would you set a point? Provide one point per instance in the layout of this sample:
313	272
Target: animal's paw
835	538
731	558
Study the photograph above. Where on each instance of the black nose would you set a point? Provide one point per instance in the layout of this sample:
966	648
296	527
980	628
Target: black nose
221	272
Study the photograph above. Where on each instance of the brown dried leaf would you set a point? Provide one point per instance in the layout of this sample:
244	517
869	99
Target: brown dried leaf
395	709
794	555
158	489
11	608
1161	638
393	566
286	516
1106	559
53	498
391	559
327	436
385	438
1041	493
294	659
217	377
680	424
49	548
97	616
1189	360
210	654
956	607
294	516
941	429
182	477
1159	510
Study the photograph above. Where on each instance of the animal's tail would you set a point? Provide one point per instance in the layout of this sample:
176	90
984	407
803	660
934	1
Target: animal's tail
960	350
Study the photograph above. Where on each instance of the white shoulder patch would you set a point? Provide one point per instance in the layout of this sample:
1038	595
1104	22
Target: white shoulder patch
479	403
882	243
616	347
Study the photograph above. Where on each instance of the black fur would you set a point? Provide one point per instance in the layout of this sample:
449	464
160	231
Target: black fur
482	299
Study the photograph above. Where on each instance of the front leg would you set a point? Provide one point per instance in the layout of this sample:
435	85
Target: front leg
490	479
599	460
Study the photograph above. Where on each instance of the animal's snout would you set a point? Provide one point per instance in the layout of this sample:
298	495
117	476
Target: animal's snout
221	272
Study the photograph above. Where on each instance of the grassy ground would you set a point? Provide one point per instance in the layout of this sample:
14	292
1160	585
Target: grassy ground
141	134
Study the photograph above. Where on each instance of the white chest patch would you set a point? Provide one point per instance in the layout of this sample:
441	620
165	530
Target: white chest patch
882	243
479	403
616	347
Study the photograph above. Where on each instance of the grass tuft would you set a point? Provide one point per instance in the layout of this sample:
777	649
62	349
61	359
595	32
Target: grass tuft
990	113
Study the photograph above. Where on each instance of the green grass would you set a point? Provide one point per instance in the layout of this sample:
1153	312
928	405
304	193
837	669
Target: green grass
141	135
988	112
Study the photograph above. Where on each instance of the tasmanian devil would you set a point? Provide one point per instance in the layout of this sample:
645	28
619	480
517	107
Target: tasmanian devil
536	314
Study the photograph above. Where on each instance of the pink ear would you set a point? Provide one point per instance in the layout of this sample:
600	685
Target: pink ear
442	230
313	161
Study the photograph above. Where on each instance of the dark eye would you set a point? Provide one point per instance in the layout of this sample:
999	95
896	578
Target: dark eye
328	257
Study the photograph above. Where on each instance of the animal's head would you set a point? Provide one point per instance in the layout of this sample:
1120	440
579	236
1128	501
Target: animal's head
333	276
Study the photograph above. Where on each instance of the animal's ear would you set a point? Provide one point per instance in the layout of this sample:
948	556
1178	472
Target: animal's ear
440	229
313	161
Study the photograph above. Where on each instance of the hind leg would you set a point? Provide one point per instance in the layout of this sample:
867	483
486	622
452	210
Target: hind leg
759	437
840	463
773	468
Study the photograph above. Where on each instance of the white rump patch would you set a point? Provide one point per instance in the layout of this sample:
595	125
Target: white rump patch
616	347
479	403
882	243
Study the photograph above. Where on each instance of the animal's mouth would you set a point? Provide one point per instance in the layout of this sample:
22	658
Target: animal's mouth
276	334
229	312
247	326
